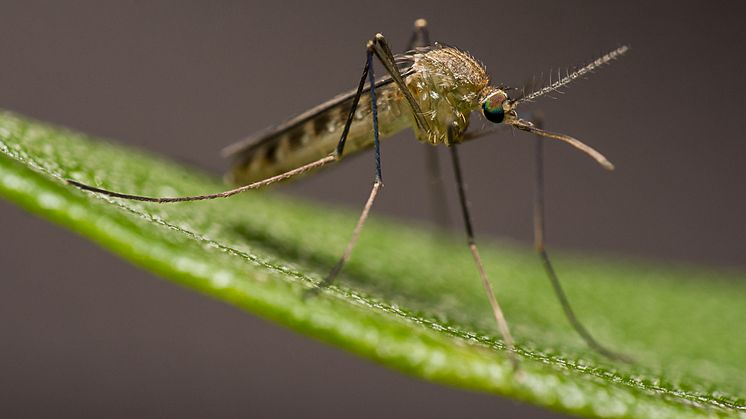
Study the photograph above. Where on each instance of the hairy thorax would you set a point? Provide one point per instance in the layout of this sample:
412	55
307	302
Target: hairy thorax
448	85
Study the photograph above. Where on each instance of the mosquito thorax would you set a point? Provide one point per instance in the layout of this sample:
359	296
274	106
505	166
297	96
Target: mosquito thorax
496	106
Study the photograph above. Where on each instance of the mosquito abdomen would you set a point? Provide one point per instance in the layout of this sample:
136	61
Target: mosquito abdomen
315	134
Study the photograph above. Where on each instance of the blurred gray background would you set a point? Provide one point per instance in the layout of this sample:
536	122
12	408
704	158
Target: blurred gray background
83	333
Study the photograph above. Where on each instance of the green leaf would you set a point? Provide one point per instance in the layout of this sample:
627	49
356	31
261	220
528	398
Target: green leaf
409	298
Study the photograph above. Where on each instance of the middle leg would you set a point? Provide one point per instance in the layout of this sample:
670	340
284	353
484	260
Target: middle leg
497	312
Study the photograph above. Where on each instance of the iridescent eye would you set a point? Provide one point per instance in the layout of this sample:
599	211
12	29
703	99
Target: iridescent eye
495	114
493	108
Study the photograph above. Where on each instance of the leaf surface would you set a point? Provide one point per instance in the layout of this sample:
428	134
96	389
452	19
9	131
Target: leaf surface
409	298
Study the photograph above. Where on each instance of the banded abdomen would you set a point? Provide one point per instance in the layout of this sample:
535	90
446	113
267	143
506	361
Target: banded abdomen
315	134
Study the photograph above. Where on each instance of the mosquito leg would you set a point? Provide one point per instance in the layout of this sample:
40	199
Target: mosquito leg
539	237
436	192
350	116
377	184
225	194
336	155
421	38
381	49
497	312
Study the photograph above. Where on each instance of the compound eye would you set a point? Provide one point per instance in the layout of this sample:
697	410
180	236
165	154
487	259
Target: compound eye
492	107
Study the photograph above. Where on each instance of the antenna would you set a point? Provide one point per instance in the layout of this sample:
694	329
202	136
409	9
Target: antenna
577	73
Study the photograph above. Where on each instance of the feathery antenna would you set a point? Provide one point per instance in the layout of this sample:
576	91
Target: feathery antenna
577	73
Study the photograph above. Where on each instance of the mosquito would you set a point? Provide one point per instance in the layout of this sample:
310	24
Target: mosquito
431	88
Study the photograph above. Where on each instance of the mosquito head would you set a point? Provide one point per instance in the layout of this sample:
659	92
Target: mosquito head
497	107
